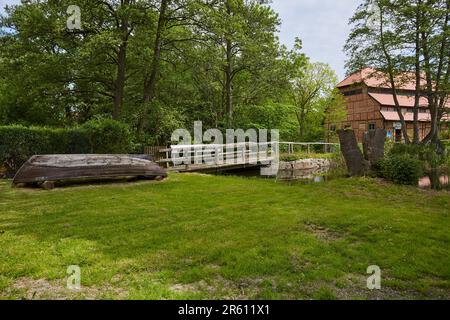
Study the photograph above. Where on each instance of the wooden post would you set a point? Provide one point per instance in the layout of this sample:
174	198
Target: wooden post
167	157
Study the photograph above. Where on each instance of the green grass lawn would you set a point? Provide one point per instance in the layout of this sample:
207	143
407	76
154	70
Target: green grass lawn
199	237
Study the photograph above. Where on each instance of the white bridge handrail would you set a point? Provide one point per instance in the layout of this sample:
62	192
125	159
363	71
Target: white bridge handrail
195	151
311	143
240	144
187	146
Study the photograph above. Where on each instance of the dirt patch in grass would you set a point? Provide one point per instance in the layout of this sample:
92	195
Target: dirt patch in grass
322	233
185	288
42	289
349	287
222	288
354	286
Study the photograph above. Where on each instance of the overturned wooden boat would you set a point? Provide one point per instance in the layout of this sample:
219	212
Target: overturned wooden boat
45	170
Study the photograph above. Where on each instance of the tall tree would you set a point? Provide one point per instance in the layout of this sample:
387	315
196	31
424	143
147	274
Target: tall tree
245	33
407	40
313	95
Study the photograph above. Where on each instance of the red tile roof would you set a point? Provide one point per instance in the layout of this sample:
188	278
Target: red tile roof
409	116
404	101
377	79
387	99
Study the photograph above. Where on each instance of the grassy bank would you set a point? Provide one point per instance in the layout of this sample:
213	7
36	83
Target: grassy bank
304	155
195	236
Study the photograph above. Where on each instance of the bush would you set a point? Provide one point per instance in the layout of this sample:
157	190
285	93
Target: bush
447	146
401	169
425	153
19	143
412	150
107	136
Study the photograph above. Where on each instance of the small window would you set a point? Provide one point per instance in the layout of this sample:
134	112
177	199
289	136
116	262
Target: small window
353	92
333	128
372	126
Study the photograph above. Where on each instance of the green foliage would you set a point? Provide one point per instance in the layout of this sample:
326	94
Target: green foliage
19	143
289	157
424	153
447	145
107	136
51	77
269	116
403	163
445	134
304	155
314	96
401	169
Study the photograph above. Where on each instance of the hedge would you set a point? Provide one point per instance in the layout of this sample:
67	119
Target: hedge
19	143
401	169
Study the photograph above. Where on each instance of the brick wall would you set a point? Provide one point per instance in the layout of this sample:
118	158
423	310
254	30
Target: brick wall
362	110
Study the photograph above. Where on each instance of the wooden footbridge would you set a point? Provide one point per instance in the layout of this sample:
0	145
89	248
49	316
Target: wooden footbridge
208	158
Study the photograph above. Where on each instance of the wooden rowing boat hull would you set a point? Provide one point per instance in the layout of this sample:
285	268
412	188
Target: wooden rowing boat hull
44	168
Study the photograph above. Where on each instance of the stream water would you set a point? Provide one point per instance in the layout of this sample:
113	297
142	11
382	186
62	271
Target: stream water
304	176
436	180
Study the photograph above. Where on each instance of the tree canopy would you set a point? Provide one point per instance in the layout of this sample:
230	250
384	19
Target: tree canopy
156	65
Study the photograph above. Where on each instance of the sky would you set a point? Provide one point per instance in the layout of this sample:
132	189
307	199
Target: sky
322	25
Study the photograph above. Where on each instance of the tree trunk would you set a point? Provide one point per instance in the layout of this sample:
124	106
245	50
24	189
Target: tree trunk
432	137
301	122
416	137
120	81
228	85
434	87
151	80
392	80
119	84
229	76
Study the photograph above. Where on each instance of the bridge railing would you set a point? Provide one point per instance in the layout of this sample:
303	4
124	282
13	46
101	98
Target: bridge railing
219	154
237	153
308	147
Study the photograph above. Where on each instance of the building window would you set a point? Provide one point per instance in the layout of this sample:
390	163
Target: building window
352	92
333	128
372	126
